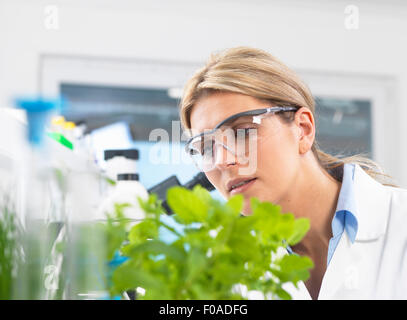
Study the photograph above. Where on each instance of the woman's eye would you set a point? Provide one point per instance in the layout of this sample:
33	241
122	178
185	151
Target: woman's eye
243	131
206	148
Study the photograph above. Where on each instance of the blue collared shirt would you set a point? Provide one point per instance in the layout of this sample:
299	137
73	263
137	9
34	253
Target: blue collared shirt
344	218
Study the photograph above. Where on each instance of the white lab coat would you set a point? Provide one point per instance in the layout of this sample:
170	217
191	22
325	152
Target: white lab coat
375	265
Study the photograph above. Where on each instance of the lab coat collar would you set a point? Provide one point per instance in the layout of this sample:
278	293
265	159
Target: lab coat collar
345	218
372	206
372	201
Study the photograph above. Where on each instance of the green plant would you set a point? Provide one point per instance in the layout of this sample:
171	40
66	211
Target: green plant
9	248
216	252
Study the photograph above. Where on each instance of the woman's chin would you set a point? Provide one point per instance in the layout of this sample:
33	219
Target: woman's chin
247	210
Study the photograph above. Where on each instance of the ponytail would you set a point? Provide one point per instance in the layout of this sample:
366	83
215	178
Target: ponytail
332	164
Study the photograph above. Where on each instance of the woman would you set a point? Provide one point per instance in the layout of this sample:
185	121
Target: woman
357	240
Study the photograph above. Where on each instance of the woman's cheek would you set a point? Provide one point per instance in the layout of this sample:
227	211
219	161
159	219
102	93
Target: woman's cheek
214	179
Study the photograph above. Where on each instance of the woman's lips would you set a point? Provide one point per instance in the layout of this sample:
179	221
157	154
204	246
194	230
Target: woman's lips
243	187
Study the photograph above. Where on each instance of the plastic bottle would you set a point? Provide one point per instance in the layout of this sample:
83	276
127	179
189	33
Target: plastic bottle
126	191
37	213
83	269
122	168
120	161
85	254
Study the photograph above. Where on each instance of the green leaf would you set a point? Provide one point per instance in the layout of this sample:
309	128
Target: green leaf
188	207
235	203
214	250
241	240
254	202
294	262
119	207
267	217
301	227
152	206
294	268
144	230
201	292
110	181
285	225
228	272
283	294
202	194
155	247
128	276
196	263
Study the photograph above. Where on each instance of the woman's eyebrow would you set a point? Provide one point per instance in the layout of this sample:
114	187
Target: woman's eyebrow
228	122
241	115
241	120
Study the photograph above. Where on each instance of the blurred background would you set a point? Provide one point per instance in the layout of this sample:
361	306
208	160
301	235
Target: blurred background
122	65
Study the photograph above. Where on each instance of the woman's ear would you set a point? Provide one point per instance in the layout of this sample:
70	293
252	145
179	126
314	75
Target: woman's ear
305	122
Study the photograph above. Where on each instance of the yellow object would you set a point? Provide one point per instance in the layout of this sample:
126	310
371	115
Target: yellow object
69	125
58	120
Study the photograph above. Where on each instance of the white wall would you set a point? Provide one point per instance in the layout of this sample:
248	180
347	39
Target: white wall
306	35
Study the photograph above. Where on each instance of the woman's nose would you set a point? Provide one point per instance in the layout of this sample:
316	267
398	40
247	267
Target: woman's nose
223	156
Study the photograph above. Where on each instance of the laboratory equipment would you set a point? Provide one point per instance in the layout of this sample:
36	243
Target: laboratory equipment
161	188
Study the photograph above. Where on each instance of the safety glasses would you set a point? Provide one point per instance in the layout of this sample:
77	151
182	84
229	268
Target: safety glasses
238	134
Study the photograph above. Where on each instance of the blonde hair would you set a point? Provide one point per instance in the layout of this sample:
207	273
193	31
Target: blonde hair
257	73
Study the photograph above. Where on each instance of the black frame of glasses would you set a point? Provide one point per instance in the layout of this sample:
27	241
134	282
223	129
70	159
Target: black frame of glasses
255	112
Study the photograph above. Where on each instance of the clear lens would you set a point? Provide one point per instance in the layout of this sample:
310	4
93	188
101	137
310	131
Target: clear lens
201	151
239	135
204	149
